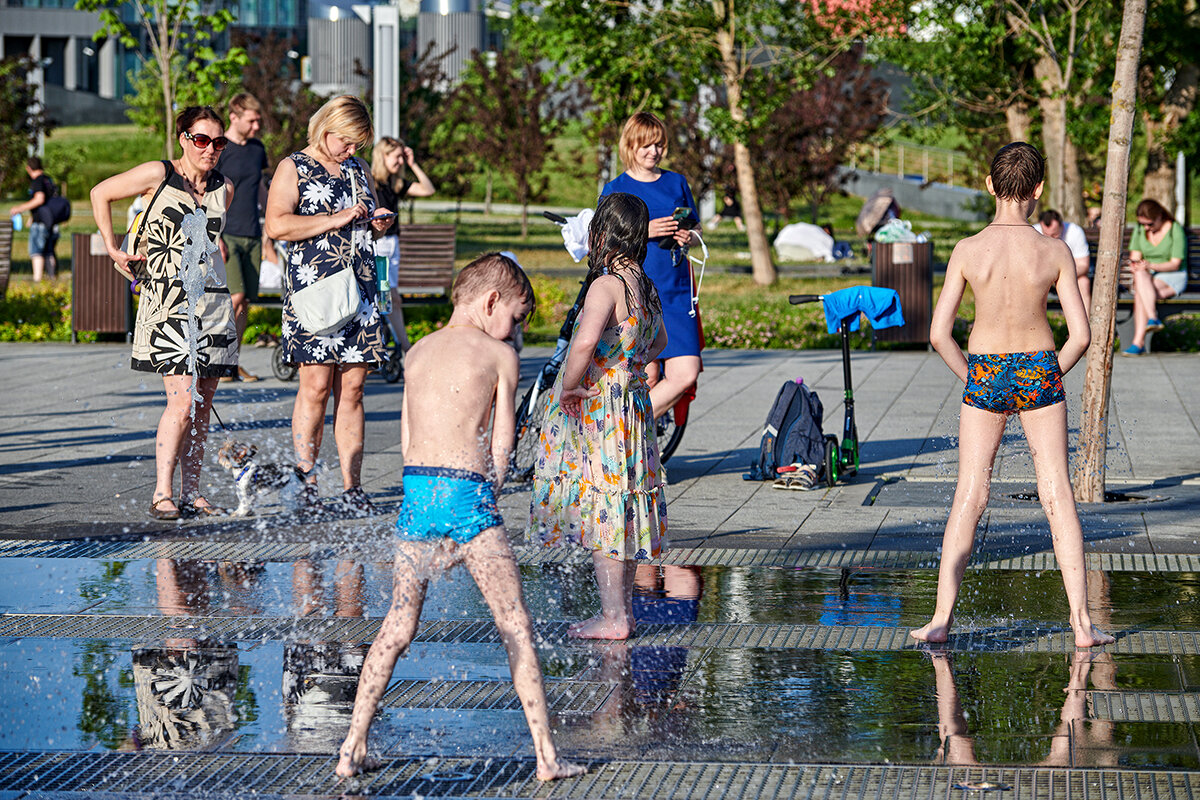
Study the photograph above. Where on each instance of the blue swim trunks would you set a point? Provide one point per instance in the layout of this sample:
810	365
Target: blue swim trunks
440	502
1009	382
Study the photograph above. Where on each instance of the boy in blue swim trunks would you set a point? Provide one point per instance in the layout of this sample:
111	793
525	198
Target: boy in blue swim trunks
456	431
1012	369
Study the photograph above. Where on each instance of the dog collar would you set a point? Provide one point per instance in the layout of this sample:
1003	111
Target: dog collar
245	469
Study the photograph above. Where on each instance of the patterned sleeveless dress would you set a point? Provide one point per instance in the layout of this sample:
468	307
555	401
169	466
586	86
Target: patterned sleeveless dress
598	480
176	232
361	339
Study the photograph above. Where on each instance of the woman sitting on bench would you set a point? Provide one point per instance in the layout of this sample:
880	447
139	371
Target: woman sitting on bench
1156	253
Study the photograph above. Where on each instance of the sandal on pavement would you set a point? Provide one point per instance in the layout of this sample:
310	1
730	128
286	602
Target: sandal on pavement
244	375
167	514
190	509
800	477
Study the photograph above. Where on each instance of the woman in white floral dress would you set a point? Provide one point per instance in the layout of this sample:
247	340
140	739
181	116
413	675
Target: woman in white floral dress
321	200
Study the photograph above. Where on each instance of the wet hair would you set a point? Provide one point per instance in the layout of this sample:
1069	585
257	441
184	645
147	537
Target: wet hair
379	171
1048	217
1153	211
641	129
1016	171
193	114
34	163
243	102
491	271
618	234
345	115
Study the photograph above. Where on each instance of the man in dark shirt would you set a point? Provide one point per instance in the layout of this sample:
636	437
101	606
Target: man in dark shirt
244	162
43	233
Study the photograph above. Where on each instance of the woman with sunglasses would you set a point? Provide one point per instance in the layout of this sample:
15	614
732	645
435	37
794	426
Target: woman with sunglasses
188	337
323	203
1156	252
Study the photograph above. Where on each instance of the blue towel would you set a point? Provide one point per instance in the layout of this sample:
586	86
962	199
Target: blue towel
882	307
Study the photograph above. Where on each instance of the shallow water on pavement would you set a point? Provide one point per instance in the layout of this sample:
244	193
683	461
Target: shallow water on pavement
718	703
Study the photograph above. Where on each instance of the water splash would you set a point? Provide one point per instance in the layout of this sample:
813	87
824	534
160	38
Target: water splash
193	270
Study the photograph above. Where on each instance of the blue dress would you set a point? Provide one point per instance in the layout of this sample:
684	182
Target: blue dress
669	269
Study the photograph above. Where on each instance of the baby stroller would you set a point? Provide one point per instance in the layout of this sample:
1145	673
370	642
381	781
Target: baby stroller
842	309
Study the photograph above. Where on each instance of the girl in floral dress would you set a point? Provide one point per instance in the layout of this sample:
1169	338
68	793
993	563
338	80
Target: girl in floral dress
598	479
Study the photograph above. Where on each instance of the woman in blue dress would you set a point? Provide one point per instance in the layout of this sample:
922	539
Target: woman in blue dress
643	145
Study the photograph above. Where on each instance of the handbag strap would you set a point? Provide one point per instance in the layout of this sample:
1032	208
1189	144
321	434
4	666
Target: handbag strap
137	237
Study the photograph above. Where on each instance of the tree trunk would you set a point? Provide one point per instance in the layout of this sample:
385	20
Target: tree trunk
487	195
1019	121
162	54
760	251
1053	105
1072	202
1160	164
1093	425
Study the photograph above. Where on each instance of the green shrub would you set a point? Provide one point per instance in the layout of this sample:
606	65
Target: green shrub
38	313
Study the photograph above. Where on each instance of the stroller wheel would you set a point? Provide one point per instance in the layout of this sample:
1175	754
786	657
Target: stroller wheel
280	368
831	460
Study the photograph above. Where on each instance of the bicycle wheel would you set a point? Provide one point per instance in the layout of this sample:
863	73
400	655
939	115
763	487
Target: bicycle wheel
280	368
531	413
670	433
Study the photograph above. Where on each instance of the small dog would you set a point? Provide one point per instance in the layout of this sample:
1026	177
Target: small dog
251	479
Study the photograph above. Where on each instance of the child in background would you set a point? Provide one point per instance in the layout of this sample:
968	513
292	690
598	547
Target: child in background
598	477
453	469
1012	368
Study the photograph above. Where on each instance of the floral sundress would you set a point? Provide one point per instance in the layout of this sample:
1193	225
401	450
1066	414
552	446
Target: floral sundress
361	339
598	480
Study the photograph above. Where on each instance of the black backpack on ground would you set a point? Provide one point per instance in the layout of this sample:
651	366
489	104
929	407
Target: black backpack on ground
792	433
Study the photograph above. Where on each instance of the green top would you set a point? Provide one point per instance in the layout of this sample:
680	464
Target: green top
1173	245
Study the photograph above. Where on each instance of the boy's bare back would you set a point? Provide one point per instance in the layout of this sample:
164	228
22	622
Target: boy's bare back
1011	270
453	378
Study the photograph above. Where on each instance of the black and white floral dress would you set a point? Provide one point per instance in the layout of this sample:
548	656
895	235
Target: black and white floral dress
178	239
360	340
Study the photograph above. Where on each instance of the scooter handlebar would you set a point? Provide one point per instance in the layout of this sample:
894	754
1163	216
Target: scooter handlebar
798	299
550	215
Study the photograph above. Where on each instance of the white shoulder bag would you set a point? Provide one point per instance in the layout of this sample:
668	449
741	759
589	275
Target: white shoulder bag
326	305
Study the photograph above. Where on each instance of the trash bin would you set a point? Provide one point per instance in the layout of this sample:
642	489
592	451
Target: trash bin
100	296
907	268
6	240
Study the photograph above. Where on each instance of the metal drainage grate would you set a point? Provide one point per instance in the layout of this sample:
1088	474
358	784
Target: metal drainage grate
563	697
854	638
230	775
1145	706
287	552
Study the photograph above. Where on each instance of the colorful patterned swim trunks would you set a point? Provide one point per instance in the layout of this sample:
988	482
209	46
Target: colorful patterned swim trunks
440	502
1009	382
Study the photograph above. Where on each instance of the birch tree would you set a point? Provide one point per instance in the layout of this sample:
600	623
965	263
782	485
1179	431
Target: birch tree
1093	428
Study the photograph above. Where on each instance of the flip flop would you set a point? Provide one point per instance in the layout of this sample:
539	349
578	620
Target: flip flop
167	514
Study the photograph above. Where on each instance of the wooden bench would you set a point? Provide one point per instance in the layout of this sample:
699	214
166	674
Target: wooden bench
1187	302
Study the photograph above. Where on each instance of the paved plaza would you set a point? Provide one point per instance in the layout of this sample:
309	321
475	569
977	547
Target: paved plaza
143	658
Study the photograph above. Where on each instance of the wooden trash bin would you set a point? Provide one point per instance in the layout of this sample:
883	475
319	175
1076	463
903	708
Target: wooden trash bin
6	242
100	296
907	268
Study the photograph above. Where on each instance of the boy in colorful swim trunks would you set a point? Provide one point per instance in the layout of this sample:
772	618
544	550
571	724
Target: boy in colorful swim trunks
453	468
1012	369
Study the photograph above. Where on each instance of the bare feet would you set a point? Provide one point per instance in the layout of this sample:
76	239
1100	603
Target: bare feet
558	769
933	631
601	627
353	760
1089	635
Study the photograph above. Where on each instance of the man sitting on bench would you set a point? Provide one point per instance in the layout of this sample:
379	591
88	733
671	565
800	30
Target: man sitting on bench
1051	224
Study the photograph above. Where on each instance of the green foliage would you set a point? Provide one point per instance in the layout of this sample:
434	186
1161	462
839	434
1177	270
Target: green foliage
273	77
79	157
19	125
179	34
37	313
196	83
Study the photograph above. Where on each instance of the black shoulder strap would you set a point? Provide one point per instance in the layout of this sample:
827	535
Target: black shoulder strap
145	211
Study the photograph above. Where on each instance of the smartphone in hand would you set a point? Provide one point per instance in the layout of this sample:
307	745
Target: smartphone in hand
681	214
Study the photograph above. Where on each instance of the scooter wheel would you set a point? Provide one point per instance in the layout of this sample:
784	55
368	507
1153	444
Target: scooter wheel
831	460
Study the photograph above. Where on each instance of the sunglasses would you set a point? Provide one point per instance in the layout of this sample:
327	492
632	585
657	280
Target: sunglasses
202	141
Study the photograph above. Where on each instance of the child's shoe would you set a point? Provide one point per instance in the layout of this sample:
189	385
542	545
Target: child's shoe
1154	325
356	503
1133	350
